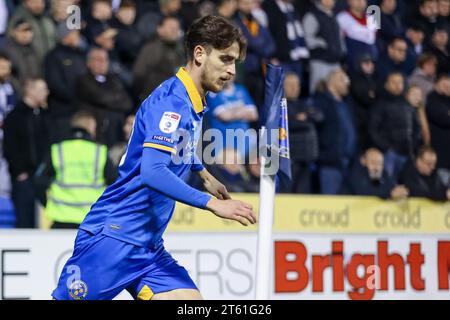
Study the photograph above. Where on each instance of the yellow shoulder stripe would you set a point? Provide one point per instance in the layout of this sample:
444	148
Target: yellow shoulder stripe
159	146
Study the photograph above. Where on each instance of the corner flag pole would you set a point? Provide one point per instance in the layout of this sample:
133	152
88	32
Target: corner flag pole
275	116
266	208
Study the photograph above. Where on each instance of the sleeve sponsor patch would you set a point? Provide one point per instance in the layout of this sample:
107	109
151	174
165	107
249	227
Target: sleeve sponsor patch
162	138
169	122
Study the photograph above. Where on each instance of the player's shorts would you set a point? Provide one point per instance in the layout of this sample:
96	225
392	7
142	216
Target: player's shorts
101	267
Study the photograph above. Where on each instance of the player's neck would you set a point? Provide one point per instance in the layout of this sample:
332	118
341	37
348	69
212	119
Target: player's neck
195	75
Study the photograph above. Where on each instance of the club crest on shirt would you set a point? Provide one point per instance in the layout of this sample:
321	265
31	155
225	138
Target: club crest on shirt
169	122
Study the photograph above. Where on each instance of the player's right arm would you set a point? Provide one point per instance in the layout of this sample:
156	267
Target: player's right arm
156	175
159	145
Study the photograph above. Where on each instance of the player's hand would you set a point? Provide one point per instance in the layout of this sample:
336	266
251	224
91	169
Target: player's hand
233	210
214	187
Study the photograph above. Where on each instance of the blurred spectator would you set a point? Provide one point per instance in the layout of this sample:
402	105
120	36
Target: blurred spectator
63	65
391	24
33	12
226	8
394	60
192	9
304	141
26	143
103	94
58	10
253	169
337	133
360	37
368	178
439	48
232	110
260	48
230	171
425	73
128	40
6	9
25	61
415	37
7	103
393	125
159	59
100	15
285	26
438	113
79	170
415	99
8	96
428	14
148	23
363	90
116	152
444	13
421	179
325	41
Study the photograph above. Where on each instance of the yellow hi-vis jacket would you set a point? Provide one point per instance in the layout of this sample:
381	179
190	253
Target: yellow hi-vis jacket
79	180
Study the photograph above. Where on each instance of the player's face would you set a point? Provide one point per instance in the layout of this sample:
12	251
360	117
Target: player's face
219	68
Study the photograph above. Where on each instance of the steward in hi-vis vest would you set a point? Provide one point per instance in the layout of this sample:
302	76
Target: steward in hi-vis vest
80	169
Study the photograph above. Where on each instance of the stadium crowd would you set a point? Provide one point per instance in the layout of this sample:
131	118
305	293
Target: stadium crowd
369	108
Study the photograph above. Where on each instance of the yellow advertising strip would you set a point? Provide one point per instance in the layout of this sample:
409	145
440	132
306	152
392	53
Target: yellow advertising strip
328	214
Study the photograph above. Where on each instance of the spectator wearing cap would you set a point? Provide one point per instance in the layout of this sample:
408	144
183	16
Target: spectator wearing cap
363	90
325	41
285	26
359	35
393	125
128	40
102	93
369	178
159	59
421	179
425	73
24	59
391	24
438	114
395	59
33	12
63	65
439	47
104	37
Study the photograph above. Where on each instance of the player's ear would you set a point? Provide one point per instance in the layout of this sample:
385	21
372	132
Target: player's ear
199	55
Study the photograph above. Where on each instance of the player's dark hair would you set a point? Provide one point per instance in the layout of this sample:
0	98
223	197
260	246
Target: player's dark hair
213	32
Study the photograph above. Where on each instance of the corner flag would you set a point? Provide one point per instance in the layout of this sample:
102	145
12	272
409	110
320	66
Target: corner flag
275	118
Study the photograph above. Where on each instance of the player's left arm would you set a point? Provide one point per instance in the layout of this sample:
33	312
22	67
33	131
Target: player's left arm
211	184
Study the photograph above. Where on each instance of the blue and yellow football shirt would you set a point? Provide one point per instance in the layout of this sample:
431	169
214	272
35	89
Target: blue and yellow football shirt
169	118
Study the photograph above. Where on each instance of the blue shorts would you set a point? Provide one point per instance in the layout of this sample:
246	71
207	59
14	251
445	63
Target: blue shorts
101	267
